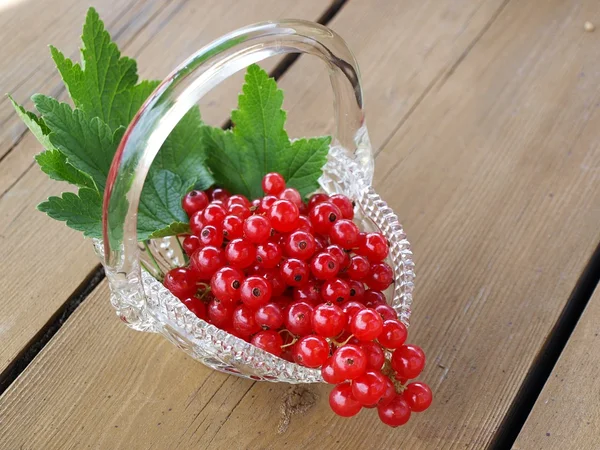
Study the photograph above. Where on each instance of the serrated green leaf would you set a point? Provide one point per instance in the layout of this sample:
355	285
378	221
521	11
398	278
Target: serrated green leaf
160	206
301	165
55	165
88	144
80	212
35	124
127	104
104	77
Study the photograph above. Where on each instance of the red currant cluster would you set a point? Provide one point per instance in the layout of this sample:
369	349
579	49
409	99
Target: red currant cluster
301	281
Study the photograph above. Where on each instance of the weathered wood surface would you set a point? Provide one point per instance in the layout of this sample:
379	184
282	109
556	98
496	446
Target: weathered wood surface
487	147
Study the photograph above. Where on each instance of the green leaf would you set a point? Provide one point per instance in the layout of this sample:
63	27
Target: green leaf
160	211
99	84
80	212
35	124
55	165
302	163
89	145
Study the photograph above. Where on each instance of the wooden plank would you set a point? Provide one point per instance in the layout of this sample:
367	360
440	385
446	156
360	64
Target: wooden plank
30	240
227	414
566	414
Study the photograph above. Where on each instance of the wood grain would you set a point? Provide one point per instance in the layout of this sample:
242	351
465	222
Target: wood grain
566	415
35	283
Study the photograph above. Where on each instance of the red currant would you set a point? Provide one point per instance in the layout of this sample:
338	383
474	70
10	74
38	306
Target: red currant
342	402
344	204
196	306
418	396
194	201
359	267
219	194
292	195
380	276
394	413
190	244
243	321
374	246
226	283
366	325
335	290
283	215
309	293
315	199
328	320
324	266
213	214
238	199
294	272
274	277
351	308
323	216
386	312
304	224
340	255
344	233
390	392
219	313
197	222
357	290
273	184
328	373
375	355
268	255
240	253
269	316
269	341
233	227
211	236
298	318
241	211
265	203
181	282
373	298
255	292
206	261
349	362
369	387
300	245
393	334
257	229
311	351
408	361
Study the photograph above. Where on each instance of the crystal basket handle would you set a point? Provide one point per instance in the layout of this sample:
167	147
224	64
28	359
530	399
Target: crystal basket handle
171	100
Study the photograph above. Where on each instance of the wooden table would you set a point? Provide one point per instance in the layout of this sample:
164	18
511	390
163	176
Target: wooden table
485	121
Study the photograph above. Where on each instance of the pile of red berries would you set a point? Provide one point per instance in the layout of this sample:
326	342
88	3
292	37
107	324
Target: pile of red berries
301	281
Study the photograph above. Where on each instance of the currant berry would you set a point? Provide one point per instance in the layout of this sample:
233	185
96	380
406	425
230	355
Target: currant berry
181	282
311	351
340	255
255	292
237	199
240	253
292	195
328	320
274	277
233	227
380	276
243	321
197	222
269	341
213	214
358	268
351	308
294	272
206	261
269	316
298	318
366	325
268	255
386	312
373	298
394	413
320	243
241	211
283	215
369	388
219	194
335	290
309	293
257	229
344	204
408	361
304	224
273	184
190	244
357	290
324	266
265	203
349	362
196	306
194	201
300	245
374	246
225	284
418	396
315	199
211	236
342	402
328	373
344	233
389	394
323	216
393	334
219	313
375	355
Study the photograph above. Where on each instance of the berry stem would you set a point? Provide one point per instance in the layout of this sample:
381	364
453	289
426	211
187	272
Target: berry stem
389	371
339	344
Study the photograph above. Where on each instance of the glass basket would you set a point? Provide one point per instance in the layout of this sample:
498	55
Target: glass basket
140	299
